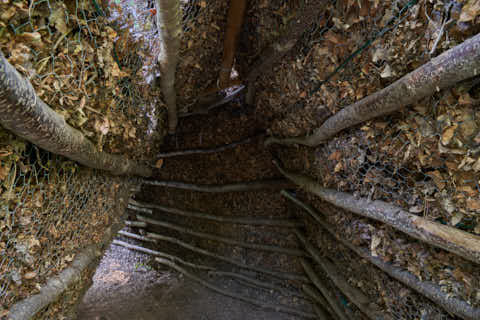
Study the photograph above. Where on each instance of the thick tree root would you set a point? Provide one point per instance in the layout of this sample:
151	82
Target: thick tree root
205	150
26	115
209	236
456	241
28	308
232	187
459	63
276	274
288	223
257	283
428	289
161	254
355	295
331	299
321	304
277	308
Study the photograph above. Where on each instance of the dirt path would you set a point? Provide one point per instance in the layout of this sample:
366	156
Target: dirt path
126	287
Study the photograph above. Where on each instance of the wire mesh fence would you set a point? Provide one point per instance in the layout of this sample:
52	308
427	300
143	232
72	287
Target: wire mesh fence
50	209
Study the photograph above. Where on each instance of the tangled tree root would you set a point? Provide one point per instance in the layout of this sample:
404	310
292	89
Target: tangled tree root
288	223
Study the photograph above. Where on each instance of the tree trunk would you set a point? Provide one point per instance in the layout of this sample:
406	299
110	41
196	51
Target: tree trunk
425	288
271	55
26	115
456	241
457	64
236	12
169	26
28	308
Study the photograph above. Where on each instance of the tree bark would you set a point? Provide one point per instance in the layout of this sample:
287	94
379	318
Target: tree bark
288	223
274	307
213	237
169	26
26	115
232	187
272	54
28	308
426	288
318	300
355	295
332	301
236	12
457	64
456	241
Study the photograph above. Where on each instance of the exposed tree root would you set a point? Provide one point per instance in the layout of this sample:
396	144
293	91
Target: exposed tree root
277	308
426	288
135	236
355	295
26	115
161	254
205	150
289	223
317	297
55	286
332	301
276	274
209	236
257	283
456	241
232	187
138	224
203	107
459	63
169	16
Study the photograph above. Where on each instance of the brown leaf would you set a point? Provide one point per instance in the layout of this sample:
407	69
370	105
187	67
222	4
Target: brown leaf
473	204
30	275
448	134
337	155
470	11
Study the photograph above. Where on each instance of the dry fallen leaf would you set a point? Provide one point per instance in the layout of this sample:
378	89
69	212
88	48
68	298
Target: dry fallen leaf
473	204
30	275
470	11
448	135
159	163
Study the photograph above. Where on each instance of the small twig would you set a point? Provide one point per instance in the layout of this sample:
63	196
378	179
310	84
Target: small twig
445	22
277	274
205	150
135	205
139	224
161	254
209	236
274	307
232	187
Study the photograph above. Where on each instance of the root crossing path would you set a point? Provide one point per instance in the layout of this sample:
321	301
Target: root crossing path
164	293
